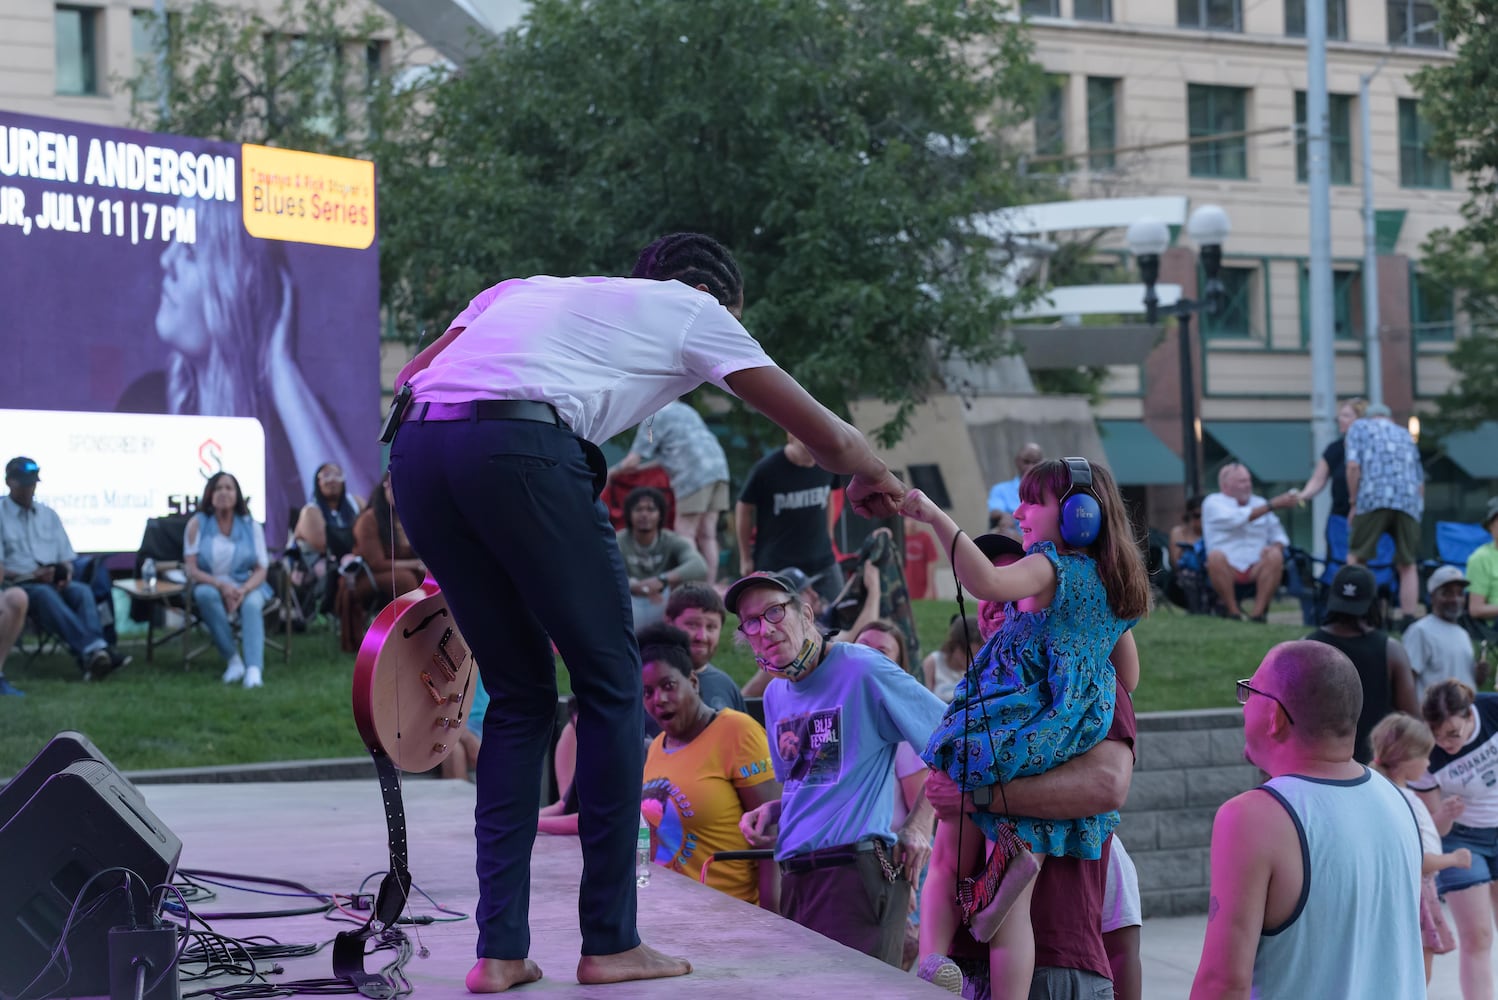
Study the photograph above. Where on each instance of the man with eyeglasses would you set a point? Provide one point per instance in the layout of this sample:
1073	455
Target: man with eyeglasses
835	712
1315	873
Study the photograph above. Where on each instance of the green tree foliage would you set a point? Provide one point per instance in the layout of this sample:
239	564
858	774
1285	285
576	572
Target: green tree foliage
318	75
1458	97
839	147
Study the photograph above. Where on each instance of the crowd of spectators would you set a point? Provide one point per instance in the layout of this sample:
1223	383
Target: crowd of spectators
832	782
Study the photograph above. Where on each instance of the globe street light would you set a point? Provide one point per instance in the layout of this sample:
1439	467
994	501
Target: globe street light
1148	238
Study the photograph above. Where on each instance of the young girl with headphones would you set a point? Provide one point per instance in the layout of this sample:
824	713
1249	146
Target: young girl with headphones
1040	693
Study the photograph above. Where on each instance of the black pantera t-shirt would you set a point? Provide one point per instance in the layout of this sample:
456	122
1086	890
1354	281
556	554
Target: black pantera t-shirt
790	514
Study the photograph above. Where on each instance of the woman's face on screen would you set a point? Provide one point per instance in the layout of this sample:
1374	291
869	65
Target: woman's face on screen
180	322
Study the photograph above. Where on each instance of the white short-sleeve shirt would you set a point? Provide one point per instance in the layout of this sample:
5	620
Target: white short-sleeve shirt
1226	527
606	352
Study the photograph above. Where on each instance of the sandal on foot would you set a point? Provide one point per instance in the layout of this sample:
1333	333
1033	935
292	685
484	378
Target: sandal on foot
974	894
1019	874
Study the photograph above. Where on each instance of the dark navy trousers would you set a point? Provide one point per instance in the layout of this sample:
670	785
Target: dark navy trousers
505	515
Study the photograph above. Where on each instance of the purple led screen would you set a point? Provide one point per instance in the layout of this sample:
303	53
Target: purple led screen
129	283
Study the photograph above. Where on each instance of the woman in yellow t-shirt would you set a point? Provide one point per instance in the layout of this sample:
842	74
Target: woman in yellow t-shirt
702	773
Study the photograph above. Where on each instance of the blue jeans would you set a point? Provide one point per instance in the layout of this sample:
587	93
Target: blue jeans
210	607
70	614
648	612
1483	843
505	514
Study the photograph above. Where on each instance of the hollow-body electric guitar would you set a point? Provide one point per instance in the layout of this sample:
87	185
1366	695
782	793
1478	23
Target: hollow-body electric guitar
413	685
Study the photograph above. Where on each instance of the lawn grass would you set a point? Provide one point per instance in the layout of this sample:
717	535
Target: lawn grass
154	715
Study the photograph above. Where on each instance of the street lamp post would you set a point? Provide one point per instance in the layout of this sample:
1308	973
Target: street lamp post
1148	239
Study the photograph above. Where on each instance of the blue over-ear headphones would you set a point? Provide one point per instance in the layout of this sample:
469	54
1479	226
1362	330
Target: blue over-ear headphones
1081	514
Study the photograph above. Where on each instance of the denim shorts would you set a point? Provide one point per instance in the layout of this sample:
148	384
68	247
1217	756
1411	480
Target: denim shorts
1483	843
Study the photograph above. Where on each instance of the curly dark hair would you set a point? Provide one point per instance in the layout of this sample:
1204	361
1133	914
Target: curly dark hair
694	259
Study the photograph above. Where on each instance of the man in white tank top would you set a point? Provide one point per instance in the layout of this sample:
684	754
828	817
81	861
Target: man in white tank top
1315	873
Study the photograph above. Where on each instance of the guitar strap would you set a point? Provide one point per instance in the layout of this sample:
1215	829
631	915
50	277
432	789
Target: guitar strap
395	889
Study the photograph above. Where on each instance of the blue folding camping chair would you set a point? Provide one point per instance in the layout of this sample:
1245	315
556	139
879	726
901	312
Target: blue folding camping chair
1338	535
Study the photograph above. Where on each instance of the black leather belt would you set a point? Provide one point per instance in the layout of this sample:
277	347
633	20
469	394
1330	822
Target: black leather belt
829	857
487	409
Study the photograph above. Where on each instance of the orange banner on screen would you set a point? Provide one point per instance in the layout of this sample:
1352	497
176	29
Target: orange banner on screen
308	197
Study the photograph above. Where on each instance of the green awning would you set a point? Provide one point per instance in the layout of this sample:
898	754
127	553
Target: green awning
1275	451
1137	457
1476	451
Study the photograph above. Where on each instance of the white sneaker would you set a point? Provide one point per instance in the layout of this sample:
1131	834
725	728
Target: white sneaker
235	671
252	678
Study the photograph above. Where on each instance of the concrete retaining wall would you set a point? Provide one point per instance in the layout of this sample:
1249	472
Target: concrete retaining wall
1188	764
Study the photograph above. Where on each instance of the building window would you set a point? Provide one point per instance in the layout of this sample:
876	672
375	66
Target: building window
1214	15
1418	168
77	58
1044	8
1347	304
1415	22
1102	122
1235	317
148	34
1432	309
1050	121
376	59
1336	19
1094	10
1218	111
1339	136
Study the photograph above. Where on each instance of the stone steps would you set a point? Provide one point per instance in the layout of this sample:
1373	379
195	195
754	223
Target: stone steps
1188	764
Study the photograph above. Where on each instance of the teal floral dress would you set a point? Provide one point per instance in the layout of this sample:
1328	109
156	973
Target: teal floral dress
1039	693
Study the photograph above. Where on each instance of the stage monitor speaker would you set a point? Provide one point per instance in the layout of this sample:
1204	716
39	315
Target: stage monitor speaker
78	823
65	748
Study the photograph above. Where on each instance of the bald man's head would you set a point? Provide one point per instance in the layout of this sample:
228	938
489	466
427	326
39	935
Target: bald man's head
1319	687
1235	481
1028	457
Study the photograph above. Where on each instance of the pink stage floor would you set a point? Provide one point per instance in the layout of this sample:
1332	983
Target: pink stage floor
330	835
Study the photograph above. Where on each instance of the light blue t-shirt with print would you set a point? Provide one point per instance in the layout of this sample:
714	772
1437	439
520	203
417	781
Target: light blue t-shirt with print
833	737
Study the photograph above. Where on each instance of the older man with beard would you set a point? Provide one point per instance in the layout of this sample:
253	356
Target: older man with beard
1438	646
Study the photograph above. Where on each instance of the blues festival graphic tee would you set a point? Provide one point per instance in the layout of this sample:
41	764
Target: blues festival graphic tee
691	800
833	738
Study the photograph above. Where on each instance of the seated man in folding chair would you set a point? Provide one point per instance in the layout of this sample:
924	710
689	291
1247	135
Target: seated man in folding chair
37	556
1245	541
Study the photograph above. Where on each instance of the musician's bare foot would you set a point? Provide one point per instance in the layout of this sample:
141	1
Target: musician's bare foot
640	962
495	975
